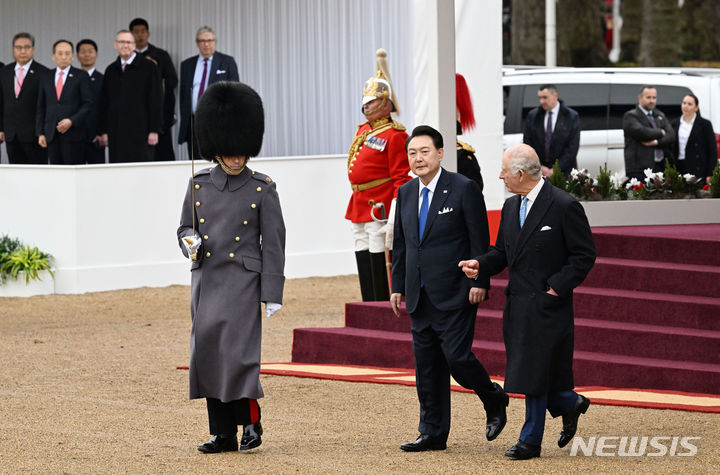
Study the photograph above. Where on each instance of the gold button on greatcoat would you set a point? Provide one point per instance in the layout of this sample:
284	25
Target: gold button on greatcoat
197	203
232	255
202	220
259	188
253	205
207	254
205	237
237	238
197	187
245	223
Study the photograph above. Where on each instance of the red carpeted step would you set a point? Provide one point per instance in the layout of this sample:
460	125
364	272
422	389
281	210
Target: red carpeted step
618	337
394	349
684	244
662	277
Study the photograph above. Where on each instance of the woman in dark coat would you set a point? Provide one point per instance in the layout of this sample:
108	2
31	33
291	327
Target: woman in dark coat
695	149
233	226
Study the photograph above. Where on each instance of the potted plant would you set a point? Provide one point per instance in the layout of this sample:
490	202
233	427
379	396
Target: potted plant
20	263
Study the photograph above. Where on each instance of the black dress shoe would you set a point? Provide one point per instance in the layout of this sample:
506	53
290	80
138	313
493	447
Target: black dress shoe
251	436
523	451
425	442
496	414
220	443
570	420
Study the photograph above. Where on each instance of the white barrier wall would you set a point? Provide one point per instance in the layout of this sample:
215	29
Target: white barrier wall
113	226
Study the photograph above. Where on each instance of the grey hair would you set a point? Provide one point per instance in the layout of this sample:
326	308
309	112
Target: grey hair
205	29
524	158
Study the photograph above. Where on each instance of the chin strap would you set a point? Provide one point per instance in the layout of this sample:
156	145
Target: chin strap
226	168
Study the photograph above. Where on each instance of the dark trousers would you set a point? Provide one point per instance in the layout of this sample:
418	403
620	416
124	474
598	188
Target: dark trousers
225	417
442	344
26	153
557	403
164	149
93	154
62	151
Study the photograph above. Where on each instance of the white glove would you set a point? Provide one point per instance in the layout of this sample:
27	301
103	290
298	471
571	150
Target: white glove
390	226
192	244
271	308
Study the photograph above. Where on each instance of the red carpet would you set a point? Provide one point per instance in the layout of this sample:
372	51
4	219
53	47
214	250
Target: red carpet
647	316
599	395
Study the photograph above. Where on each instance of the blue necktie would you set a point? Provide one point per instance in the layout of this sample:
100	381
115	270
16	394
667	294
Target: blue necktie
422	219
523	211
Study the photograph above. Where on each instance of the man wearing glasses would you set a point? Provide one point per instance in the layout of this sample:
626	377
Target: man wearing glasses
196	75
19	86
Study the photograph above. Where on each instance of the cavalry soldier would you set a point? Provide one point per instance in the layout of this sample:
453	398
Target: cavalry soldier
377	167
467	164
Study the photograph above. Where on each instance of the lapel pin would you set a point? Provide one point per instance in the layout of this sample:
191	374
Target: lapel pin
32	71
444	191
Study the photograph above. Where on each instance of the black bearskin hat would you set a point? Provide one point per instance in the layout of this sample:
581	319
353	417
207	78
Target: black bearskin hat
229	121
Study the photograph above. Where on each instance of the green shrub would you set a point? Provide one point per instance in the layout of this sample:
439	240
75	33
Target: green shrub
715	182
558	177
30	260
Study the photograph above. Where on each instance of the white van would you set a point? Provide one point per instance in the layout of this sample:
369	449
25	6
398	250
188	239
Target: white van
601	96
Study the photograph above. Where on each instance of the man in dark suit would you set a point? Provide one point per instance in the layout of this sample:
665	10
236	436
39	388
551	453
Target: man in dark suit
64	101
648	136
546	243
94	152
131	104
19	85
440	217
196	74
553	130
140	30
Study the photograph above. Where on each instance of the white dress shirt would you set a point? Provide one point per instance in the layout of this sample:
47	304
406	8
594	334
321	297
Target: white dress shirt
532	196
25	68
555	111
64	75
197	79
684	135
431	190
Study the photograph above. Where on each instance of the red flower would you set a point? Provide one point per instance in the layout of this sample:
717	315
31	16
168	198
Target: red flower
706	187
637	187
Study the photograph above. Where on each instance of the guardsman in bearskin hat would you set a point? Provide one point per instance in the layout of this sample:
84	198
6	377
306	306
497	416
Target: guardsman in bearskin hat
467	164
377	166
229	210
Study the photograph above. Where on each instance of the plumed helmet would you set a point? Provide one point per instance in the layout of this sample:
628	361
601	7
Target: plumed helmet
229	121
463	104
380	85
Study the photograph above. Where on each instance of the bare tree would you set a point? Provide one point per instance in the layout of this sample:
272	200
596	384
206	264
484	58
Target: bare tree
660	38
699	20
580	33
632	15
528	32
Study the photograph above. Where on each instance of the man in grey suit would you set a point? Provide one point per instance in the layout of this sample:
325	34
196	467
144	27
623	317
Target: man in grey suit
196	75
545	242
648	136
439	218
229	210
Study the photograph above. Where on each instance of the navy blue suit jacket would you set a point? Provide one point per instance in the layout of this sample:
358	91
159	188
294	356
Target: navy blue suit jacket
223	69
75	103
456	229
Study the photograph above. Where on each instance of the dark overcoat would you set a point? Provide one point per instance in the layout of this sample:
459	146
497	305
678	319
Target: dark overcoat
131	108
565	141
701	150
638	129
240	264
75	104
554	249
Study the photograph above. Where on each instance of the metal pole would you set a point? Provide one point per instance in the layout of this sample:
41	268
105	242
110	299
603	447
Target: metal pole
550	34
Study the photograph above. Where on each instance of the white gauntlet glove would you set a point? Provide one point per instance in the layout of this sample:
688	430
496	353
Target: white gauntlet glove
192	244
271	308
390	226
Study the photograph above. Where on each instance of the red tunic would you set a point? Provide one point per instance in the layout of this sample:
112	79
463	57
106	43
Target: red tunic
376	154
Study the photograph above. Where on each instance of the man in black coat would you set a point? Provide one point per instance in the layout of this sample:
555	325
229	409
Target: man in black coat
545	242
553	130
94	152
648	136
440	217
140	30
19	86
131	104
64	101
196	75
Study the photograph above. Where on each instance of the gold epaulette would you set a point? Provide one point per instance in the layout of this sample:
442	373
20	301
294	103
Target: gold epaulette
464	146
398	126
261	177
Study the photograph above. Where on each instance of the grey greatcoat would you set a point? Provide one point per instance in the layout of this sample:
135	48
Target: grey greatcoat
239	265
554	249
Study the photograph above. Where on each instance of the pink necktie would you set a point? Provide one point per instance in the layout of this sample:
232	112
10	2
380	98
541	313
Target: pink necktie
123	66
18	85
59	85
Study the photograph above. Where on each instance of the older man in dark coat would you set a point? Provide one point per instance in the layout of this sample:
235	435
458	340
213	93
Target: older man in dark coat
232	224
546	243
131	104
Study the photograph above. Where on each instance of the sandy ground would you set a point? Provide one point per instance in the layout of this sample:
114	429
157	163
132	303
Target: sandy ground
88	385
